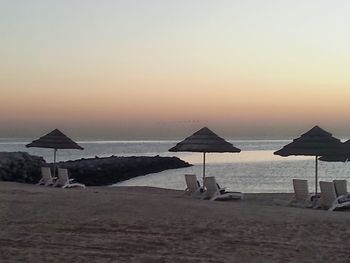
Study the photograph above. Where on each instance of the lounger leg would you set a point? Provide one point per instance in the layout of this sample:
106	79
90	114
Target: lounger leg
216	195
41	181
332	208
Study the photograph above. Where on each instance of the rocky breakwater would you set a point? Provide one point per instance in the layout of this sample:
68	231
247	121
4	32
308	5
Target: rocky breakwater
20	167
109	170
25	168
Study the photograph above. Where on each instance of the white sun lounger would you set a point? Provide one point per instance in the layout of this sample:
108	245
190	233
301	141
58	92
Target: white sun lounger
193	186
340	187
64	181
302	197
47	178
329	199
214	192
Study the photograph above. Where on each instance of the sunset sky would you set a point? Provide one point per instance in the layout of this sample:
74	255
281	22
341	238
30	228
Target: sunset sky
164	68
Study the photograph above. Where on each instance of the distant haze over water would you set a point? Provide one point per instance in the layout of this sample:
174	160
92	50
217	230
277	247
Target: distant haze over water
169	132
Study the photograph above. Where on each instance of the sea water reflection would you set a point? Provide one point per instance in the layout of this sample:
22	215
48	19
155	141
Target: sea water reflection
255	169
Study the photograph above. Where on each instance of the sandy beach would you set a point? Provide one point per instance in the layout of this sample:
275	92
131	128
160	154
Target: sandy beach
143	224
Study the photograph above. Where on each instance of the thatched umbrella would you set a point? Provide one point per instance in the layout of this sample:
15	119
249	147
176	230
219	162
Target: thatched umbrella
204	141
342	156
55	140
316	142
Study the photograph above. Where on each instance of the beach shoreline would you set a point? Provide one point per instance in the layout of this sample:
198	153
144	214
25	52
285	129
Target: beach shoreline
147	224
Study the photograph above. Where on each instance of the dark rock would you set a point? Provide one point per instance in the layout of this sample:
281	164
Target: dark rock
110	170
25	168
20	167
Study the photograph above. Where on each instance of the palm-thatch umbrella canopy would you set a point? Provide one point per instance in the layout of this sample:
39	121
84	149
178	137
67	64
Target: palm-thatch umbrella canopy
55	140
342	156
316	142
204	141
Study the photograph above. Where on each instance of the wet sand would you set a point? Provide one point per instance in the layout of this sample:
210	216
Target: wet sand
143	224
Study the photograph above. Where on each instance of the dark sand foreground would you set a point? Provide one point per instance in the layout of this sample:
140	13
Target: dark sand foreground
139	224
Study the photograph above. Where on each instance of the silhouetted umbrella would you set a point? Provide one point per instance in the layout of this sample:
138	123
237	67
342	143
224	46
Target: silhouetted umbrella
316	142
342	156
204	141
55	140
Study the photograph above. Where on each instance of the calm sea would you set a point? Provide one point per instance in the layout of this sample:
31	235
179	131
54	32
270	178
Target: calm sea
255	169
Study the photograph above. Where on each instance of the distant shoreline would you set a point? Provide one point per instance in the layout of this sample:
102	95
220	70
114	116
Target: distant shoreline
26	140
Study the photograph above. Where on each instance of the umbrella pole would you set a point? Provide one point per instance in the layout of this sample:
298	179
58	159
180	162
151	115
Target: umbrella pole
203	166
316	179
54	162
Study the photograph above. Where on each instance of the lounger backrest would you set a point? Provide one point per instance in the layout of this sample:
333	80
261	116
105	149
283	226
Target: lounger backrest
46	174
340	187
192	183
301	189
210	186
63	176
328	194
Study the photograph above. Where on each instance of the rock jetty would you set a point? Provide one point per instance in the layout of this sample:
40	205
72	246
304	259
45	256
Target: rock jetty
109	170
25	168
20	167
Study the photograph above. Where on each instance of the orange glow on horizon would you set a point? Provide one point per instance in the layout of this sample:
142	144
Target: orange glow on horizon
220	63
